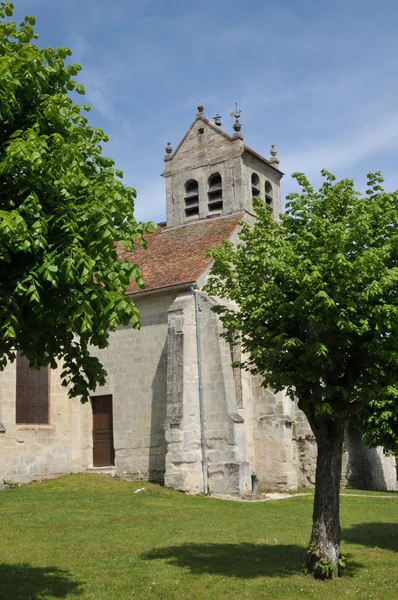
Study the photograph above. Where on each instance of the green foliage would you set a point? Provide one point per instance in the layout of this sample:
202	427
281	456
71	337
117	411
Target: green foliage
322	567
343	561
317	300
63	211
326	569
379	421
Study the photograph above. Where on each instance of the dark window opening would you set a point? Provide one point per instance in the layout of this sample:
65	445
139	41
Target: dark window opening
255	185
215	206
191	198
191	187
214	193
191	212
215	182
269	195
32	393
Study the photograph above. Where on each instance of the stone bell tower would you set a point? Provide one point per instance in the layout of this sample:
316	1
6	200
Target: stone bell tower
213	174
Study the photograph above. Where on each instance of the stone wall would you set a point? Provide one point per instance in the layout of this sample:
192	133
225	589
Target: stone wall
153	379
227	465
272	431
227	470
305	449
265	173
367	468
29	452
362	468
182	426
136	362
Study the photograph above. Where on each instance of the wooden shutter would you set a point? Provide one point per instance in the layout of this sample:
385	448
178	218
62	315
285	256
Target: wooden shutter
32	393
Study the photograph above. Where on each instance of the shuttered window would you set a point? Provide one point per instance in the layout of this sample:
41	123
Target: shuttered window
191	198
256	186
215	193
268	195
32	393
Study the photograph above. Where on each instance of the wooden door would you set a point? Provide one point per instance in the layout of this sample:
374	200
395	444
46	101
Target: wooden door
103	450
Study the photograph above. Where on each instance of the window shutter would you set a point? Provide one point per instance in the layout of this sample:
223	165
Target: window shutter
32	393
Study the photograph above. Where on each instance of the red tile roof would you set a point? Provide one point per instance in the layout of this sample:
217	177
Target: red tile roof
179	255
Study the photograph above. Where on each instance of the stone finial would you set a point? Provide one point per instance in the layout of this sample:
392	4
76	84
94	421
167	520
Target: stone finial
237	126
274	160
200	108
169	151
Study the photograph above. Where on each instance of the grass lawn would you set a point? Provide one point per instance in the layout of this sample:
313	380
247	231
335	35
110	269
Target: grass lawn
91	537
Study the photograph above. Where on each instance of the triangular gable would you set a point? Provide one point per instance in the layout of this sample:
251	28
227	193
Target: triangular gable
205	120
230	138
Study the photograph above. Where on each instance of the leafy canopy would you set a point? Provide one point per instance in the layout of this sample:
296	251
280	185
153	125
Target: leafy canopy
63	212
317	300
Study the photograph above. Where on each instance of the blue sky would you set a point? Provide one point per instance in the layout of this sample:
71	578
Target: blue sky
317	78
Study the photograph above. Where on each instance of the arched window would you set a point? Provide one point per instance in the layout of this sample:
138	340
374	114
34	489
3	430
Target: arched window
255	185
32	393
214	193
269	195
191	198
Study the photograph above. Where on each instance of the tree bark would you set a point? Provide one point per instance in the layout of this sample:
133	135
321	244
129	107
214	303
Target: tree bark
324	549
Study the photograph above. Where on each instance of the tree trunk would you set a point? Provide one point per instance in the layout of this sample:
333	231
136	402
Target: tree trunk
324	550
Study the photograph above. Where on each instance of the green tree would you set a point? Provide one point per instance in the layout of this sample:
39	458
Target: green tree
317	311
63	213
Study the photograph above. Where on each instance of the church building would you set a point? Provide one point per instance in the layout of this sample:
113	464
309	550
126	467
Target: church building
173	409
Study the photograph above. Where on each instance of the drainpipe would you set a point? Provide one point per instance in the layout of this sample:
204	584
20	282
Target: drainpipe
200	381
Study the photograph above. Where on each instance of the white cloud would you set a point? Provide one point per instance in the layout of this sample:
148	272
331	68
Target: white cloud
97	85
345	150
80	46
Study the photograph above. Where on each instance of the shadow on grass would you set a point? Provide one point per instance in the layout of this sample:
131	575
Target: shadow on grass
375	535
24	582
245	561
